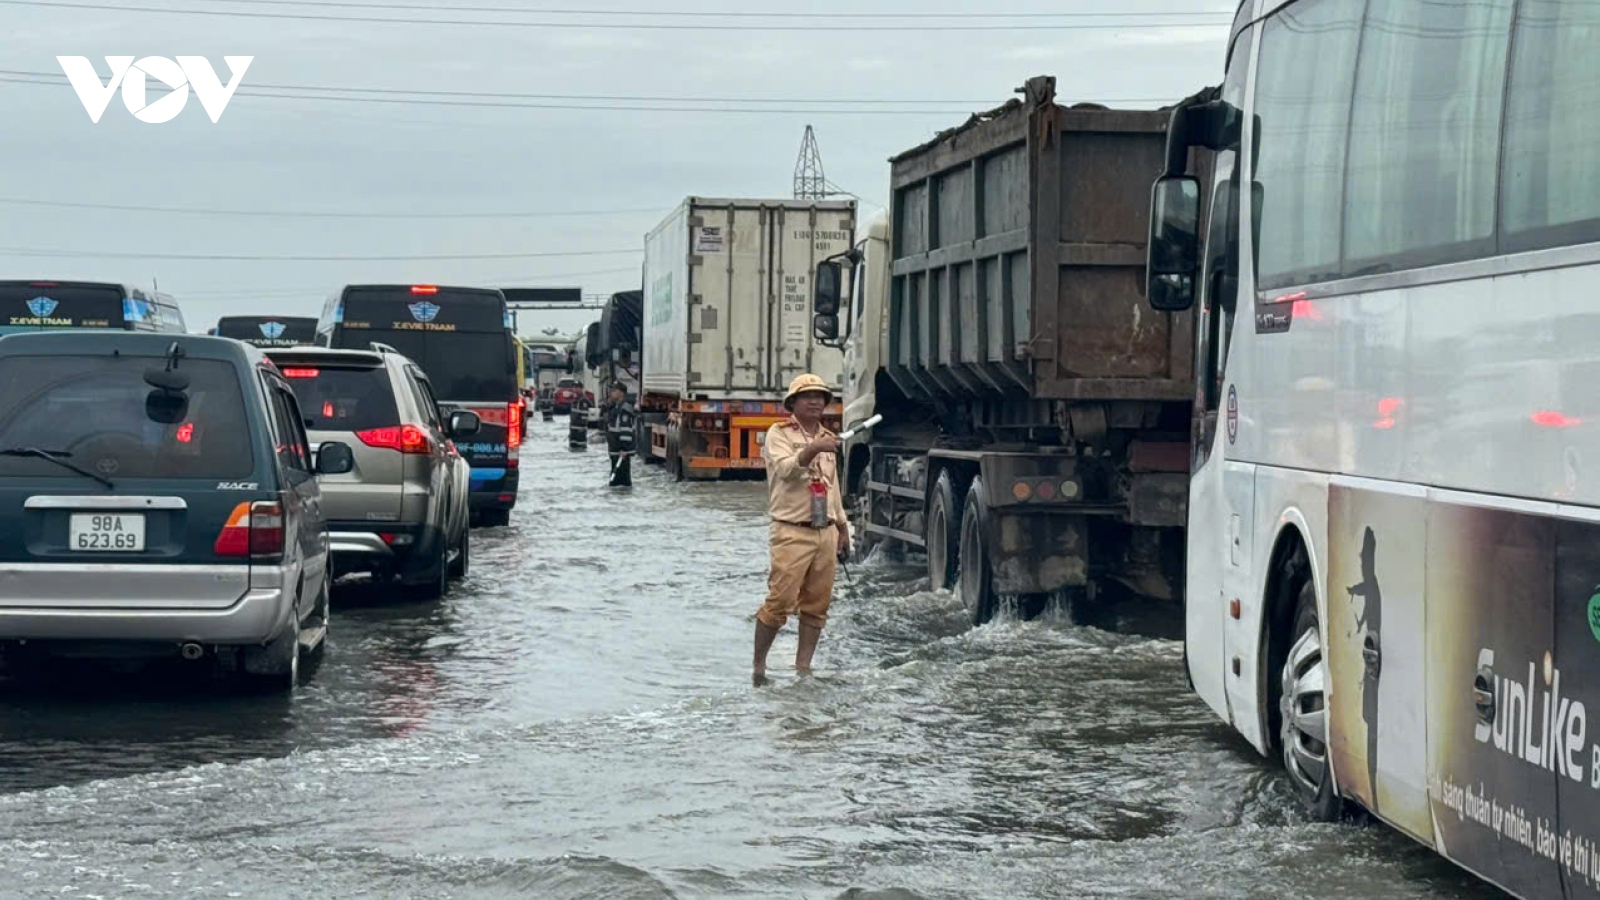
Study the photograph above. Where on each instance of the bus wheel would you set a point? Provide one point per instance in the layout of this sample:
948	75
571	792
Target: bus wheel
1304	711
944	533
976	578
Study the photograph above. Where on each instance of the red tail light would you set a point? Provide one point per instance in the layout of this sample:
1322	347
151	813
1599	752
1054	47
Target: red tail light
513	426
266	530
301	373
404	438
185	432
254	530
424	289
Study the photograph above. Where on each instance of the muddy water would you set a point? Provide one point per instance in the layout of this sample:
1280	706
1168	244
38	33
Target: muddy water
575	720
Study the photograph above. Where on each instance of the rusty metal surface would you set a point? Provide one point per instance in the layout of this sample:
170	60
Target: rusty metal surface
1159	500
1019	245
1039	554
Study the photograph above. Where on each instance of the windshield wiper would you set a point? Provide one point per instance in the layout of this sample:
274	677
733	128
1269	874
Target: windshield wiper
57	457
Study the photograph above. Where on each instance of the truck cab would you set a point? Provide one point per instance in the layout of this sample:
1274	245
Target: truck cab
866	330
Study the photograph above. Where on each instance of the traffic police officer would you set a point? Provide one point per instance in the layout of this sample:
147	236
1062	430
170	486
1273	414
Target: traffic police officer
619	419
809	530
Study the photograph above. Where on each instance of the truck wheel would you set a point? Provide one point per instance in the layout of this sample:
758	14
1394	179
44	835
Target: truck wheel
1303	707
943	537
976	575
674	460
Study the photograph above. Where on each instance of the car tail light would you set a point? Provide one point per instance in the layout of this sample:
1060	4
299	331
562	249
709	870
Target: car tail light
185	432
254	530
424	289
513	426
404	438
301	373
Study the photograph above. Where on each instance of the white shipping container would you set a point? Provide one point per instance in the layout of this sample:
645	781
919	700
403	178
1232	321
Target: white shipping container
727	296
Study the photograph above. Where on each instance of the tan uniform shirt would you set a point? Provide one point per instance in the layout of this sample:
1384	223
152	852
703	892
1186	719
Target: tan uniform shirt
789	483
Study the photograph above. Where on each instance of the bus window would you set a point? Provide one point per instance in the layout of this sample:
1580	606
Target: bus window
1550	196
1304	80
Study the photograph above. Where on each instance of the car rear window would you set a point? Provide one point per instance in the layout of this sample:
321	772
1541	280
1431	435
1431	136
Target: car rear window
347	399
91	411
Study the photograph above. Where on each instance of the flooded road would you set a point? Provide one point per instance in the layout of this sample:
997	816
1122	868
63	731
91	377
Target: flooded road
575	720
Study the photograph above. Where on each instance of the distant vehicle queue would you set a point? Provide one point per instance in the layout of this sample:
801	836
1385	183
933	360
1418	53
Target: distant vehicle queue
197	495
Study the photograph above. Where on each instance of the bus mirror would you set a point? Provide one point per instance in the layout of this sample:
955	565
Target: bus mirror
830	291
1174	251
825	327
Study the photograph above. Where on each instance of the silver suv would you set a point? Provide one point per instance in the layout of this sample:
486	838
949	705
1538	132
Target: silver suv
402	513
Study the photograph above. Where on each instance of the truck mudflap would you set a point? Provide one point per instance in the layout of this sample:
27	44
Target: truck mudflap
1038	554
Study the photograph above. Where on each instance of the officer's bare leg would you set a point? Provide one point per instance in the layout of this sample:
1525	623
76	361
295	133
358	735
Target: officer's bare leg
810	635
765	635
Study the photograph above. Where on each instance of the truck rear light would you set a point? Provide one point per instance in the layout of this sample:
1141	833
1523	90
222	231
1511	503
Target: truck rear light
513	426
1045	491
253	529
1022	490
507	498
404	438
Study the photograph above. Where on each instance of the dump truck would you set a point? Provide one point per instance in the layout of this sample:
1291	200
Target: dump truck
727	326
1034	440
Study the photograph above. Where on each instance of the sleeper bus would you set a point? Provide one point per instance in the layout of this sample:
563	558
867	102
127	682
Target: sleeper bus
53	305
269	331
462	338
1393	548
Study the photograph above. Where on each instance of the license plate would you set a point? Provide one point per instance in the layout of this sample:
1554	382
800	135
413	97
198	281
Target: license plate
106	533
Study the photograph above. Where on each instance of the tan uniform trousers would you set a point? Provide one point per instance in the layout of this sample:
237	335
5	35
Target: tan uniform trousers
804	561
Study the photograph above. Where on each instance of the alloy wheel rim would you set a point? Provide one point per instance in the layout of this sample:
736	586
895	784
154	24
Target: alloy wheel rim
1303	709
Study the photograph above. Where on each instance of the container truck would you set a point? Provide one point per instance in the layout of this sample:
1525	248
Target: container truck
727	325
1034	441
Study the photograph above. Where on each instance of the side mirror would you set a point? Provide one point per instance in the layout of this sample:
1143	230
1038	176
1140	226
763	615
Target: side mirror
825	327
334	458
829	289
464	424
1174	251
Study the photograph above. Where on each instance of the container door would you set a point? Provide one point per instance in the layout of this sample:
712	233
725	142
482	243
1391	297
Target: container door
803	238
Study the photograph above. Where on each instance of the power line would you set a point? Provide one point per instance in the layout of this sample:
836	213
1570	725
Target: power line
49	80
515	95
250	257
519	280
308	214
644	26
738	14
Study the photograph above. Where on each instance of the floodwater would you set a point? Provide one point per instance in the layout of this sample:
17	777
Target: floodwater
575	720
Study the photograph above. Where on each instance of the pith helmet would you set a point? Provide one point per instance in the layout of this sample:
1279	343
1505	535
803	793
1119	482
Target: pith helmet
806	384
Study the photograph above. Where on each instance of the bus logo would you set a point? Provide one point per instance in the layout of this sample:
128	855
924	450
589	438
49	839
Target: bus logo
42	307
423	311
272	330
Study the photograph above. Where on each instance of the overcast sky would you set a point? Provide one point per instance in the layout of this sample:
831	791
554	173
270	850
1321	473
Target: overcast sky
406	167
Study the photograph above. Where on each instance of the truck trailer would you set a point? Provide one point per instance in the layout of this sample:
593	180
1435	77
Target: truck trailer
1034	442
727	325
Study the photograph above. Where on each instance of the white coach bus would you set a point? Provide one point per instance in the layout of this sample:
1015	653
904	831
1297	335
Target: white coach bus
1394	542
